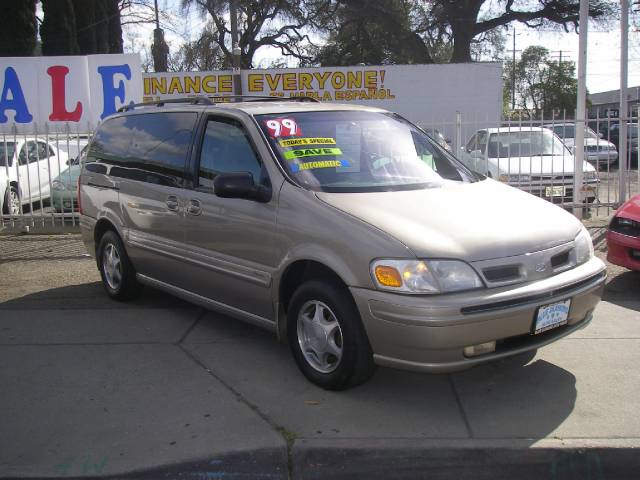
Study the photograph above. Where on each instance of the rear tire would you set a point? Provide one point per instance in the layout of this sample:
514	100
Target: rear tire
326	336
116	270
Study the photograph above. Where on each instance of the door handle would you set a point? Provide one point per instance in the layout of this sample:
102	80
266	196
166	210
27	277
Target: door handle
172	203
194	207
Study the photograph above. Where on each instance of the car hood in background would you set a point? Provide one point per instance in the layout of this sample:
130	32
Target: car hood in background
69	176
630	209
570	142
468	221
549	165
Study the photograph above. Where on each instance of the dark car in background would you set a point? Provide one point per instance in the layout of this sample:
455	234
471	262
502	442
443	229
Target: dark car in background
611	132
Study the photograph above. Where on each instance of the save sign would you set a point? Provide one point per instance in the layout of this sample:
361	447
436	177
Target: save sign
57	91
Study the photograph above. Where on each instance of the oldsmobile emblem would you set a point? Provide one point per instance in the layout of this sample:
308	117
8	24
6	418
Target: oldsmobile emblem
541	267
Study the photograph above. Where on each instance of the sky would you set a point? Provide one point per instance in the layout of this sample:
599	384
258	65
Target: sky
603	47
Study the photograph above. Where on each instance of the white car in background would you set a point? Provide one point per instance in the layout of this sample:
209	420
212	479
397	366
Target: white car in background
596	149
532	159
72	145
27	166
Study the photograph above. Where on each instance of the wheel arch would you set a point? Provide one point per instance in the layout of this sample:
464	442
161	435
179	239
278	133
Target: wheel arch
102	226
296	273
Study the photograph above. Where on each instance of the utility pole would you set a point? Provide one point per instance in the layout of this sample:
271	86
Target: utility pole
513	73
581	109
235	49
624	102
159	48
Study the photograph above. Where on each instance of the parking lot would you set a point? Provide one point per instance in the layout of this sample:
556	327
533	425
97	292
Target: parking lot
158	388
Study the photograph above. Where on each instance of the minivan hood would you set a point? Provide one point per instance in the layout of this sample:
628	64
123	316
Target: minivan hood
538	165
467	221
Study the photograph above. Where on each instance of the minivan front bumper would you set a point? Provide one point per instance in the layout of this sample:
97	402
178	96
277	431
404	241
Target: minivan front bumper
430	333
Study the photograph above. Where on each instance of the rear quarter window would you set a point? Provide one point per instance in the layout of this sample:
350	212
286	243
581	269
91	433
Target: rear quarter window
150	147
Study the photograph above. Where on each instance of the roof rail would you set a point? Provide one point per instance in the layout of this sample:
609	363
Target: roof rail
160	103
208	101
269	98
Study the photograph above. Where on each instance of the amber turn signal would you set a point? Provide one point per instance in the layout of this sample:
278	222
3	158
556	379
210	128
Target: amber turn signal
388	276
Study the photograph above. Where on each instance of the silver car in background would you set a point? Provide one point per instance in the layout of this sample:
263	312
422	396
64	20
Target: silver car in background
597	149
343	229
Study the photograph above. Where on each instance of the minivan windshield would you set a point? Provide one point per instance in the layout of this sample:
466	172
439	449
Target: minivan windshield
7	149
354	151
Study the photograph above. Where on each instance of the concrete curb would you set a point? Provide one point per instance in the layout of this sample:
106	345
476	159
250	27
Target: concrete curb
267	463
466	459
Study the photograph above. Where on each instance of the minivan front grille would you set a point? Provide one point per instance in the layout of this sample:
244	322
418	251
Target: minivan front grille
503	273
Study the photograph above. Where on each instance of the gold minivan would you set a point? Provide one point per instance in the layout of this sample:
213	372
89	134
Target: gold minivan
345	230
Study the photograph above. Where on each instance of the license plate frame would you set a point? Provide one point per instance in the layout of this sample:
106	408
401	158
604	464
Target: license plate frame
555	191
551	316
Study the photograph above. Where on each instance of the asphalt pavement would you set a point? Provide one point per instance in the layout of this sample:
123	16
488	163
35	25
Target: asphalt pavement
159	388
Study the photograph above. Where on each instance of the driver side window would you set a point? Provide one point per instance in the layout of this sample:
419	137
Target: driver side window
225	149
28	153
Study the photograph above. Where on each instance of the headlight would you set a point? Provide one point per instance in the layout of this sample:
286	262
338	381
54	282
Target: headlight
584	246
514	178
424	276
58	185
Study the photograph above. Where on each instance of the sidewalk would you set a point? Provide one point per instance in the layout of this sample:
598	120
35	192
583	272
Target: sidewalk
158	388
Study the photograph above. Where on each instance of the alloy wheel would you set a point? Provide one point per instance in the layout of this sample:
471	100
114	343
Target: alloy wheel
319	336
112	266
14	202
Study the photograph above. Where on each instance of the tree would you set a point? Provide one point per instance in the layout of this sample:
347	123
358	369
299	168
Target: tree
544	88
360	33
58	30
114	25
17	28
202	54
466	19
278	23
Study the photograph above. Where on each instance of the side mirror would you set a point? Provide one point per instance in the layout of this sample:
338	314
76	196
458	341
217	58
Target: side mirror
240	185
600	135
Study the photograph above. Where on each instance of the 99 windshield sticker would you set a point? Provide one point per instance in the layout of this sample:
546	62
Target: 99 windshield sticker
311	152
297	167
283	127
296	142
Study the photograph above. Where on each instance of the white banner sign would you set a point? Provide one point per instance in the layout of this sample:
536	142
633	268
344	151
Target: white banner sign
53	92
422	93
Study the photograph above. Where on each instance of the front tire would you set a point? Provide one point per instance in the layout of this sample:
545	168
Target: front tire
11	205
327	338
116	270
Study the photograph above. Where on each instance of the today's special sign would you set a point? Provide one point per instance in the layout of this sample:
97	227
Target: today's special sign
60	93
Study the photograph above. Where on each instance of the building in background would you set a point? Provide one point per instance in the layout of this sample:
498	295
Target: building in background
607	104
